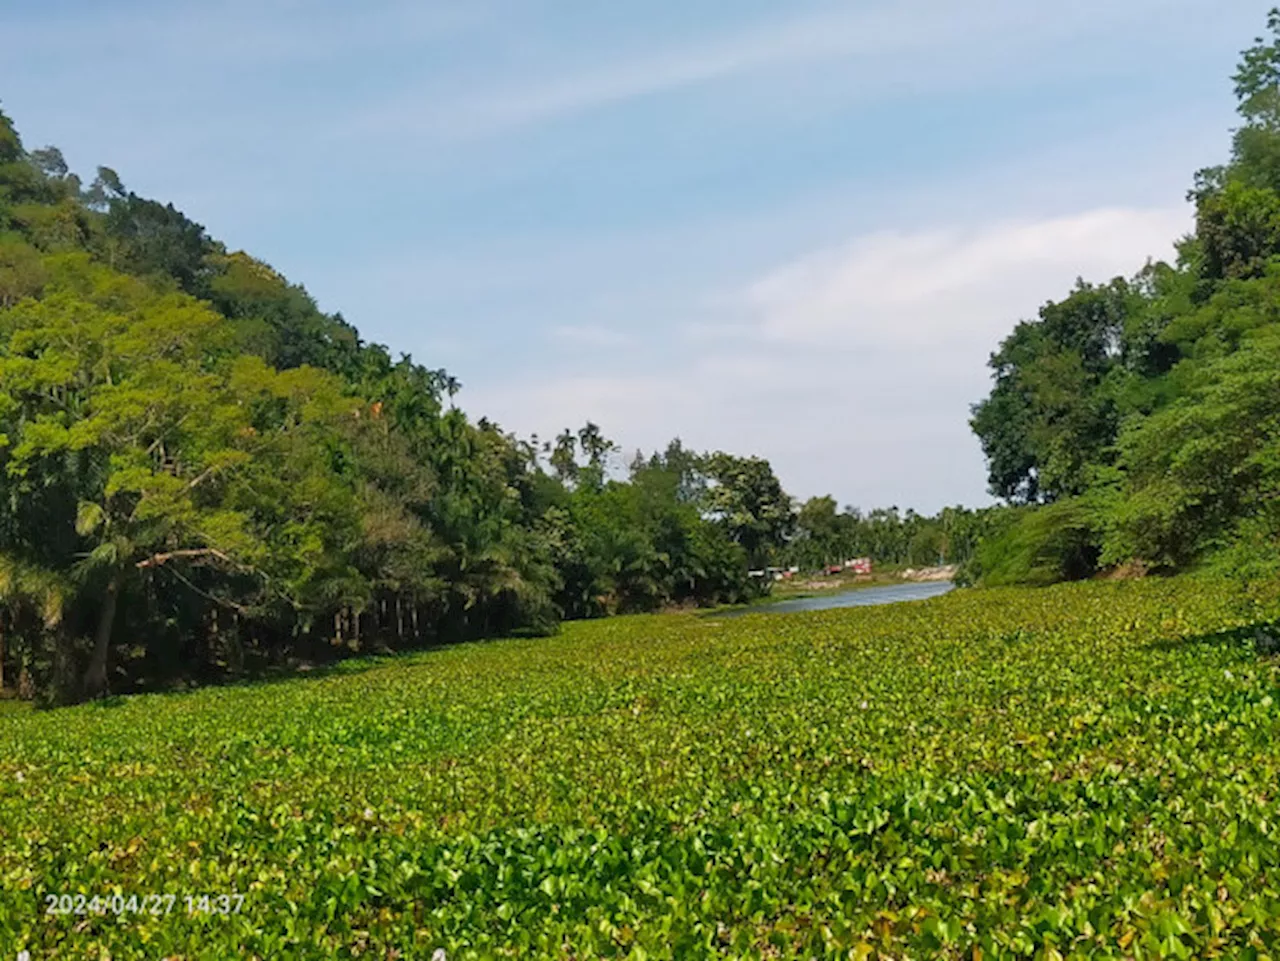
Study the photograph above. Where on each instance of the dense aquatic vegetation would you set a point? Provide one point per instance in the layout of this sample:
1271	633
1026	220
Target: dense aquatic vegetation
1088	770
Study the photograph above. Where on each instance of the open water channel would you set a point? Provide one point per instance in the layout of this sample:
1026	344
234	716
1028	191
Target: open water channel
858	597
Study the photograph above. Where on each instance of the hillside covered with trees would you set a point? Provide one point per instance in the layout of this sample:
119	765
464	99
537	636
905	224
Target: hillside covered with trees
1137	422
198	467
202	473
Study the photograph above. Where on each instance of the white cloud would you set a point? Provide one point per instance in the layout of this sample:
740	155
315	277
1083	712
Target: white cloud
853	369
951	285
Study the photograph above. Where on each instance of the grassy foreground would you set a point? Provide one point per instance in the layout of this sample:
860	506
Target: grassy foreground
1086	771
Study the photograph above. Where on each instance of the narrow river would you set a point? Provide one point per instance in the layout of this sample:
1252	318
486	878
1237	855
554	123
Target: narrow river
860	597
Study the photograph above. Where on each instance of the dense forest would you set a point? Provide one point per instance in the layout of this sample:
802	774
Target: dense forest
1136	423
202	473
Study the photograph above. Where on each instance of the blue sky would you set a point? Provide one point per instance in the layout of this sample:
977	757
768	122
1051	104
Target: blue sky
796	230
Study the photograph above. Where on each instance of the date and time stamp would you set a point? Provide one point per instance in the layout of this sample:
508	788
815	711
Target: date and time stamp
156	905
79	909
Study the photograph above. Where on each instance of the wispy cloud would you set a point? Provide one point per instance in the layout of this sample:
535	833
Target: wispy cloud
885	44
530	99
802	39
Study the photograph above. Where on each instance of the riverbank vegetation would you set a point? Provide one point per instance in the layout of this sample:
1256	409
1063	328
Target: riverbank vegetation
1138	421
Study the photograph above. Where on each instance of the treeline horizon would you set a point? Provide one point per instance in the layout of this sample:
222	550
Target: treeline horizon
203	474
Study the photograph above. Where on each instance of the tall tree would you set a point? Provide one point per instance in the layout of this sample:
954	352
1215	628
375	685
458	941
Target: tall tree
747	498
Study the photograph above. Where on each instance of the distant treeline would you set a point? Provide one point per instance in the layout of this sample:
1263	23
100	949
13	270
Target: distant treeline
825	536
1138	422
202	474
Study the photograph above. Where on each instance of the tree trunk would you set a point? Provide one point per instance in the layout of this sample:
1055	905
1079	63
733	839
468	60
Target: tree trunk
215	632
95	678
63	686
